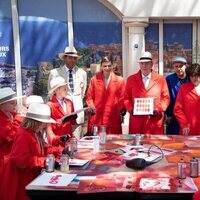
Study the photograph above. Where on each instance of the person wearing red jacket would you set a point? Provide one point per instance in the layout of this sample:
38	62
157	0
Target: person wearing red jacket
196	196
105	99
60	106
28	153
147	84
8	124
187	106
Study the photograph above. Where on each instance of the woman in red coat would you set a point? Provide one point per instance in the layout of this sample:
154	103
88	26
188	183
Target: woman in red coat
105	96
28	153
60	107
187	106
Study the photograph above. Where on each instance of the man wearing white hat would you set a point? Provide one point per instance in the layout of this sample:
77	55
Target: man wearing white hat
174	81
147	84
76	79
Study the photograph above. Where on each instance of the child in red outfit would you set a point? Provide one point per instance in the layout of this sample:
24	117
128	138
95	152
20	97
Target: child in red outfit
28	153
60	106
8	124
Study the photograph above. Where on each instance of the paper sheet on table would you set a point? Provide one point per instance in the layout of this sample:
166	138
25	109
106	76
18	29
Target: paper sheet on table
143	106
132	154
53	179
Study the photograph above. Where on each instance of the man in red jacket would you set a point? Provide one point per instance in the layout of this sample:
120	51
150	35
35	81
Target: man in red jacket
147	84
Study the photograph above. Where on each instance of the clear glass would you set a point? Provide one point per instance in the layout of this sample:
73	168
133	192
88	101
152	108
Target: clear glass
50	163
103	135
64	163
73	147
96	144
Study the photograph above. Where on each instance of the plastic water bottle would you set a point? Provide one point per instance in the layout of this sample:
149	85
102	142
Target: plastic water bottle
194	168
137	139
95	130
182	169
103	135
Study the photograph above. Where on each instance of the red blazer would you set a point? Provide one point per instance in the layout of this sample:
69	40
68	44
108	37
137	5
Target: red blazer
57	113
187	108
196	196
24	165
107	102
157	89
8	130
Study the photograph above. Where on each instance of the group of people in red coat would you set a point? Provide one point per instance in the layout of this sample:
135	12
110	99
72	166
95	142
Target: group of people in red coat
25	141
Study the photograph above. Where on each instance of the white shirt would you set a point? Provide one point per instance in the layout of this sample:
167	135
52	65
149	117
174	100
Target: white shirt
146	80
62	103
197	88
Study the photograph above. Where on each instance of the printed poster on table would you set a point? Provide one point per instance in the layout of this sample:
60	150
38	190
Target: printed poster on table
53	179
143	106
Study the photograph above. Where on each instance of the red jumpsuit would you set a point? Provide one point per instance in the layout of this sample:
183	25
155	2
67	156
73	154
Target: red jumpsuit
107	102
156	89
8	129
187	108
26	160
57	113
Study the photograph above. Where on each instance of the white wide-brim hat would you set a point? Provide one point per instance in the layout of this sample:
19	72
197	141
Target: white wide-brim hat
69	51
145	57
7	94
34	99
56	83
40	112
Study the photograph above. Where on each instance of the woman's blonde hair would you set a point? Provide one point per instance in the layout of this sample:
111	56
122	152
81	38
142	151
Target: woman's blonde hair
31	124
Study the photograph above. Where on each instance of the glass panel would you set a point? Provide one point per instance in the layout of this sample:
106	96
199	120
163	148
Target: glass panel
97	33
43	34
152	43
7	60
177	41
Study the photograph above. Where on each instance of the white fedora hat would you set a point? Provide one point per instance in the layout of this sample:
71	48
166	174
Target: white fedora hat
40	112
179	59
69	51
56	83
34	99
145	57
7	94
